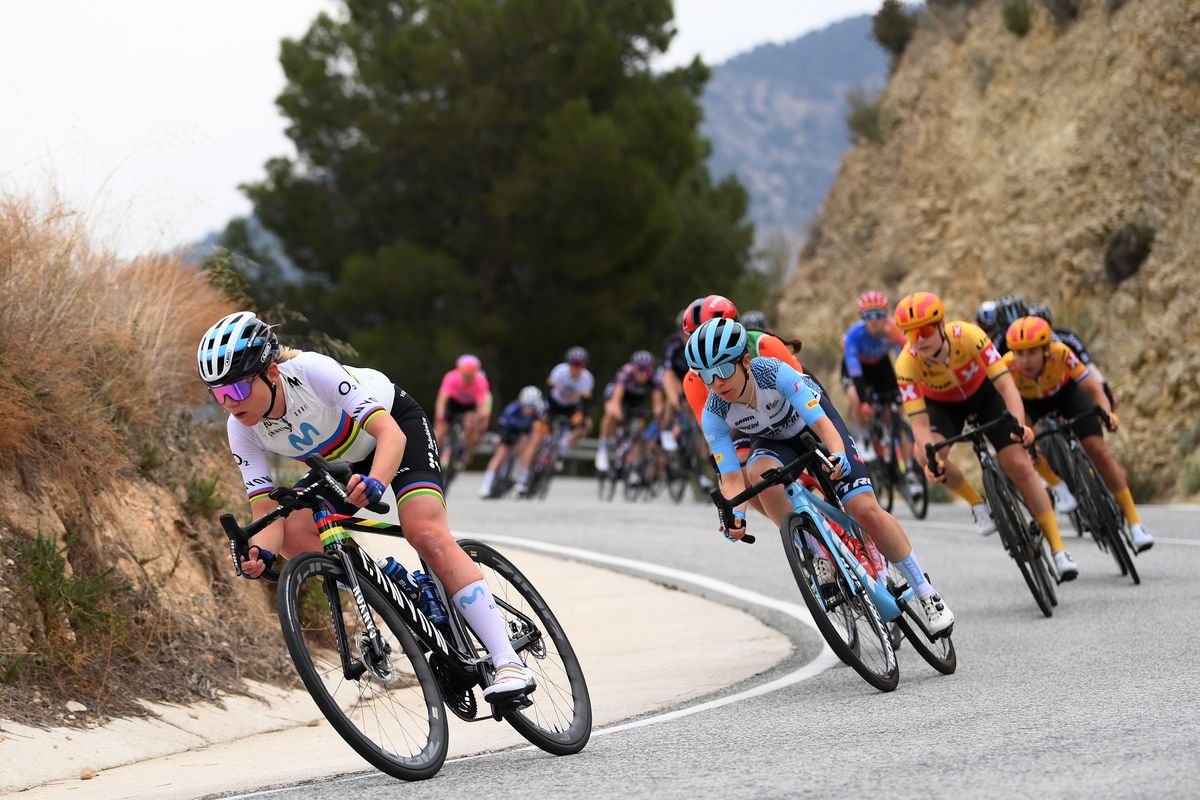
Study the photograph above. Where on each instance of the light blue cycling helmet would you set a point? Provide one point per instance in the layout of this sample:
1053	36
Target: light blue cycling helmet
715	347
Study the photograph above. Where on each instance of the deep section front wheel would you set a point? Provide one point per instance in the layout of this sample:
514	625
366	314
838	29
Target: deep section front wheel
389	707
843	612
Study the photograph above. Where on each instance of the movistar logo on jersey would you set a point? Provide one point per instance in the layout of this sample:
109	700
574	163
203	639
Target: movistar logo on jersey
303	440
291	380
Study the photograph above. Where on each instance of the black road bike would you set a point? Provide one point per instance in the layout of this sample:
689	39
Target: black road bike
1020	534
381	671
1098	511
895	469
546	459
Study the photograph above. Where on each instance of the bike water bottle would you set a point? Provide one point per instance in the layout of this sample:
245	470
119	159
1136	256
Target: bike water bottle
430	605
400	576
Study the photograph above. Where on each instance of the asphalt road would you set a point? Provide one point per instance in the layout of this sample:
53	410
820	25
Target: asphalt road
1102	699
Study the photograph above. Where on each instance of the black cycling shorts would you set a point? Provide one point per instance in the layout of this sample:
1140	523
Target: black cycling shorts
510	435
1069	401
879	377
455	409
985	405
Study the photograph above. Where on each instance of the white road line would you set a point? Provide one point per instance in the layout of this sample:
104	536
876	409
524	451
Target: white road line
824	660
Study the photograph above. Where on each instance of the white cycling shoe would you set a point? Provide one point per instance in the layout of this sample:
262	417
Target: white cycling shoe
1068	570
602	461
1142	540
984	524
512	680
937	614
1064	501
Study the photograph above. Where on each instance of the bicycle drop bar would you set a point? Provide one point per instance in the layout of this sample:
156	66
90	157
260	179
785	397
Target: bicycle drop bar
931	449
327	475
778	476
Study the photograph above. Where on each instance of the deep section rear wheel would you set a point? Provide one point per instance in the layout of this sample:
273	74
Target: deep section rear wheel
938	653
391	710
559	719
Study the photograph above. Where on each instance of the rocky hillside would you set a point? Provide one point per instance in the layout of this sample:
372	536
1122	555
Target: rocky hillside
1042	165
776	117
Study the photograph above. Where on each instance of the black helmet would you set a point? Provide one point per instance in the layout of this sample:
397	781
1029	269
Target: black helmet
1009	309
754	320
1041	310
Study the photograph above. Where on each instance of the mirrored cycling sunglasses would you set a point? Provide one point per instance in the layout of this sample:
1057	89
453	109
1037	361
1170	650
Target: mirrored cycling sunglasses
874	314
921	333
232	391
710	374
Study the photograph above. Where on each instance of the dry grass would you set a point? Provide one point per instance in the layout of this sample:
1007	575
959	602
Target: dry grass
95	352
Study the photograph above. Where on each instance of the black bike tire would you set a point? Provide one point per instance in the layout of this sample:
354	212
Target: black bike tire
425	764
801	564
1108	516
1059	458
579	731
883	479
677	476
1011	529
945	662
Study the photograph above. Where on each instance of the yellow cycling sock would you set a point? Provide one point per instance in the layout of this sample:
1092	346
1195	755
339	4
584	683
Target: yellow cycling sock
967	492
1049	475
1125	498
1049	526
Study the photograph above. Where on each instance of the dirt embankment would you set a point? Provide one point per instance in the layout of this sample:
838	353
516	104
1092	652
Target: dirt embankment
1042	165
113	580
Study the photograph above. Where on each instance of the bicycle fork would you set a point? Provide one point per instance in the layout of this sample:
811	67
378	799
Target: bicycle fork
876	588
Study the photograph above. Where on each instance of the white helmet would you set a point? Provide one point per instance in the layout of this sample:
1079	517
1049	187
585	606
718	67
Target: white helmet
531	396
239	345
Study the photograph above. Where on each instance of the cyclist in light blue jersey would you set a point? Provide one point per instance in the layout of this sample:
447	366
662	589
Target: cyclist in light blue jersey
774	404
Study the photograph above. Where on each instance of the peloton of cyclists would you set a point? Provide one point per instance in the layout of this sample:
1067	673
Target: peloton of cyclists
774	404
1053	380
950	371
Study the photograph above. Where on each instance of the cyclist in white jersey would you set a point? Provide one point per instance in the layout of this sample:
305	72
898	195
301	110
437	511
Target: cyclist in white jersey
300	403
774	404
571	385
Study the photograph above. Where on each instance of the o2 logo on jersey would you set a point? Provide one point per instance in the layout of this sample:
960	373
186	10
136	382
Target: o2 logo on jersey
304	439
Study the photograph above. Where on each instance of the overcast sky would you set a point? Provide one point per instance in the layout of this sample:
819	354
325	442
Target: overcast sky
147	114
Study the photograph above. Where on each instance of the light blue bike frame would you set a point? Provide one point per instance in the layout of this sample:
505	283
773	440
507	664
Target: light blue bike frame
806	503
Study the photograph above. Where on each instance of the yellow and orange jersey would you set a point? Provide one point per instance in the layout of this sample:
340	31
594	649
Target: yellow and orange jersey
1060	367
973	359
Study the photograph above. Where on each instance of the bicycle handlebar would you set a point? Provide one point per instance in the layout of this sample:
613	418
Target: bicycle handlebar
327	475
1067	423
777	476
974	433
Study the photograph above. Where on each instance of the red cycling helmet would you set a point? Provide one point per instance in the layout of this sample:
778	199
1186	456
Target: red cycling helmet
702	310
872	301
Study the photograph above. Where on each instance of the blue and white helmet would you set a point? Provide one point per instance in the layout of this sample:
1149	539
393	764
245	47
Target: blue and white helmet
716	342
239	345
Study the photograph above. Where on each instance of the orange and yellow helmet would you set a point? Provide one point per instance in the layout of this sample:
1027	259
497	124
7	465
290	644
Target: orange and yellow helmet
1028	333
919	309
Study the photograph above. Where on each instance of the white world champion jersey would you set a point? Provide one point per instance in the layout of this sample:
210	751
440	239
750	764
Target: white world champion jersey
326	409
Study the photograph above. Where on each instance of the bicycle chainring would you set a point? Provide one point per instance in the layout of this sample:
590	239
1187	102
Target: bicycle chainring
459	699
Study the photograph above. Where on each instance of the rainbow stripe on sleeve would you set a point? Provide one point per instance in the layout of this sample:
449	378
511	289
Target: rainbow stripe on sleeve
371	414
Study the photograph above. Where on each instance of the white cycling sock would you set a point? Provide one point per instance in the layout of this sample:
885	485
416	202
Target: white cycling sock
477	606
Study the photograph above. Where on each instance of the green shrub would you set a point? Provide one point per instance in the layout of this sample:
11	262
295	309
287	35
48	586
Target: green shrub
863	117
1017	15
83	601
892	28
1190	479
203	499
